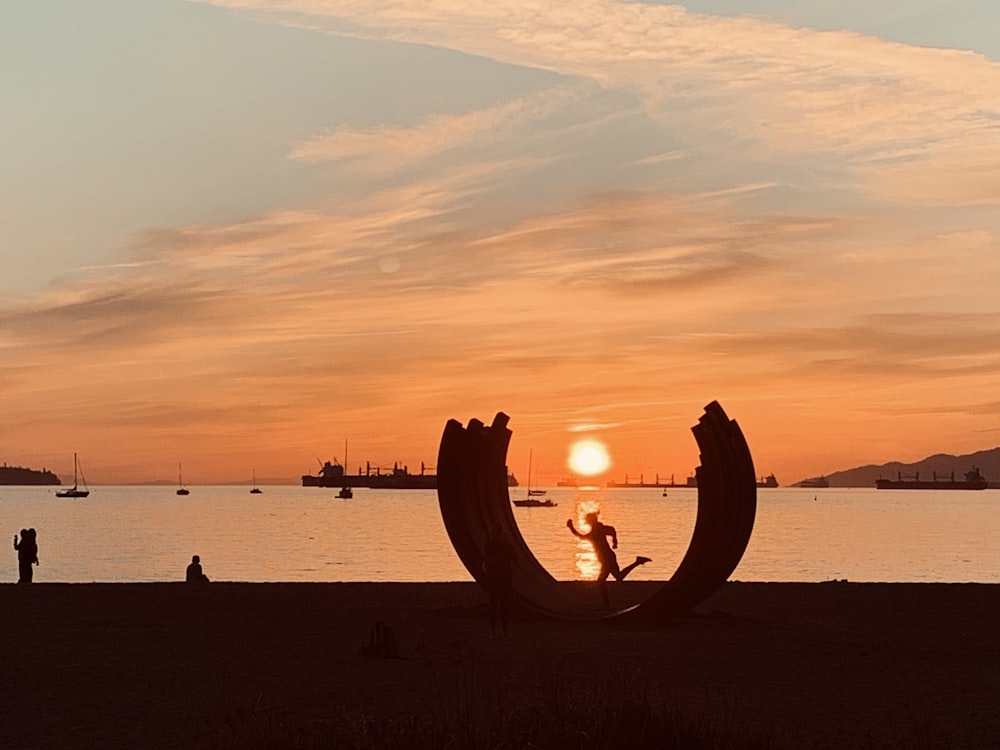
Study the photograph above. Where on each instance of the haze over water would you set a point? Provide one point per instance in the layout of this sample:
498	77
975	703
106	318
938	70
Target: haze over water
295	534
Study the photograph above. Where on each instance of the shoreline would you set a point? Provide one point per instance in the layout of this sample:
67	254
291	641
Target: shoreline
819	665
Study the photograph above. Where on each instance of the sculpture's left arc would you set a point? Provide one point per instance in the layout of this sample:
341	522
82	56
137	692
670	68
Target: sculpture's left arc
472	493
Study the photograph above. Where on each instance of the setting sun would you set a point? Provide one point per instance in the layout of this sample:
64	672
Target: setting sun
589	457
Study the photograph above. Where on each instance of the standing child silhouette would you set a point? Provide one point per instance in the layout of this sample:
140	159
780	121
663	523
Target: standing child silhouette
27	555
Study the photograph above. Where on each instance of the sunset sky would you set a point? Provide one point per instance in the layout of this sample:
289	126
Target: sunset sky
236	234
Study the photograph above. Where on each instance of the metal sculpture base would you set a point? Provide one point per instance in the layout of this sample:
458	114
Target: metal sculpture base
473	496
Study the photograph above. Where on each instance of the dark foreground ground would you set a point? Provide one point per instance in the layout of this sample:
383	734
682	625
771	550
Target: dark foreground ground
826	665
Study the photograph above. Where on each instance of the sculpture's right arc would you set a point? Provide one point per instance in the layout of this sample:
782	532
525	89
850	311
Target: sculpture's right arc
473	497
727	508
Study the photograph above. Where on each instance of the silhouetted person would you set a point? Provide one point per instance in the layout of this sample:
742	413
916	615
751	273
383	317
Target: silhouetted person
194	572
497	566
27	555
598	538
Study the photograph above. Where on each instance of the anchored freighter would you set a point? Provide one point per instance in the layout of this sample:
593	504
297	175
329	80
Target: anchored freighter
973	481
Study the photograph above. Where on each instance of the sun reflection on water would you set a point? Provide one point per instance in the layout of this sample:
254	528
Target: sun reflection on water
586	562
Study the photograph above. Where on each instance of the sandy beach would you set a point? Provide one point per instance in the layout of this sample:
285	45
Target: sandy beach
818	665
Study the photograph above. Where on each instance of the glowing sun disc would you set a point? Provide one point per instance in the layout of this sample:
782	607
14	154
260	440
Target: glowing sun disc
589	457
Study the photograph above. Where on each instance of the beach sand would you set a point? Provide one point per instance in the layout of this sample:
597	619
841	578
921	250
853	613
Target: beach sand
812	665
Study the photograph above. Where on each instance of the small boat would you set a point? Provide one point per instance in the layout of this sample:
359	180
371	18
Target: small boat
532	501
181	489
345	492
255	490
664	493
75	491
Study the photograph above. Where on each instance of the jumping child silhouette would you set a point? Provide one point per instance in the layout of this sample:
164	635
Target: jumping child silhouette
598	538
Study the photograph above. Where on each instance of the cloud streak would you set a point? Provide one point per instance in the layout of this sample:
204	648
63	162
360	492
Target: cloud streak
387	148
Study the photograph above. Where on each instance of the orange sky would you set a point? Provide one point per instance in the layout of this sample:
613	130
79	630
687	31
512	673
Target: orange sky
344	221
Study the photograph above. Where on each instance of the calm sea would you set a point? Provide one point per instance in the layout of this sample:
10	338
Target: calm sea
308	534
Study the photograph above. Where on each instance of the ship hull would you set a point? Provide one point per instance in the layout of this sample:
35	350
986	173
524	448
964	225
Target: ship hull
532	503
394	481
645	485
374	481
414	482
892	484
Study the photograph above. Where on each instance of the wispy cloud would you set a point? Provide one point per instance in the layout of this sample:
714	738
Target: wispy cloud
771	88
386	148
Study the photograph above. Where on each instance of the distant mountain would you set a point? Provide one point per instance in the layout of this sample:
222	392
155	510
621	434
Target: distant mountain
943	463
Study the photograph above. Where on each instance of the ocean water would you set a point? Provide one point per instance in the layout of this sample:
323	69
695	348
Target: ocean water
134	534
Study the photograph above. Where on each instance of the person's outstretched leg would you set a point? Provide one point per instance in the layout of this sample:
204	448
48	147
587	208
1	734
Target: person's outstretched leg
640	560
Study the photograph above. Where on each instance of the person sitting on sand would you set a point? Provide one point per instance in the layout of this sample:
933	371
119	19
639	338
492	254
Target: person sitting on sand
27	555
496	565
194	572
598	538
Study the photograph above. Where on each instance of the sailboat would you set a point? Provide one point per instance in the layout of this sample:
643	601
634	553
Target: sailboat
255	490
345	492
74	491
531	501
181	489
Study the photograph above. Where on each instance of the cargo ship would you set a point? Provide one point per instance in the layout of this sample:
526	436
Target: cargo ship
643	483
18	475
332	474
973	481
769	481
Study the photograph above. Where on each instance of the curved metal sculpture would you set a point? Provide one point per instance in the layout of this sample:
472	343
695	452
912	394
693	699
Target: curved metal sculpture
473	496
